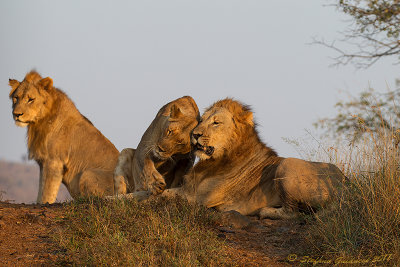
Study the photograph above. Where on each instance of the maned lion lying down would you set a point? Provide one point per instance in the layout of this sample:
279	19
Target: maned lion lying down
66	145
238	172
164	153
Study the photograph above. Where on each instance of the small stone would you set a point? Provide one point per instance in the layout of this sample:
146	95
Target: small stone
254	227
282	229
45	255
234	219
226	230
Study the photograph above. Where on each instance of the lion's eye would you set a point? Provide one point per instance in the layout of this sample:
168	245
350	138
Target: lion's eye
30	100
216	122
169	132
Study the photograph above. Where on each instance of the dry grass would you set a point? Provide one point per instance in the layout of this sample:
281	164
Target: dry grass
365	221
156	233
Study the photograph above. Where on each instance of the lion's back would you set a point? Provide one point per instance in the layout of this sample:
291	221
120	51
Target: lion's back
88	145
311	182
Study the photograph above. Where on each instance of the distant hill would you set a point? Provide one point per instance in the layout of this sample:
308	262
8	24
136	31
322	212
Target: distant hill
19	183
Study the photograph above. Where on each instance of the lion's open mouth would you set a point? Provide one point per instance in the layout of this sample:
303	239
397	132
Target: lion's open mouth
208	150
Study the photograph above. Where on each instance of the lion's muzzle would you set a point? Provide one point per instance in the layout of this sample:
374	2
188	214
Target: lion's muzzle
17	115
18	121
208	150
197	138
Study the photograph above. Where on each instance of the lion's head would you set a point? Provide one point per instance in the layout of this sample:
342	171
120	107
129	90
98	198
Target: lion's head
180	118
31	101
223	126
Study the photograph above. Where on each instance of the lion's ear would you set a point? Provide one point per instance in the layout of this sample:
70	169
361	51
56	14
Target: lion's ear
175	112
247	117
14	85
46	83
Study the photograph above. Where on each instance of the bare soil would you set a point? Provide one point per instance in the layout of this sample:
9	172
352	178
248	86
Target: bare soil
27	238
26	235
265	242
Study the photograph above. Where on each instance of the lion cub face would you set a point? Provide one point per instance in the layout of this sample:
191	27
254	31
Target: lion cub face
213	136
175	139
30	99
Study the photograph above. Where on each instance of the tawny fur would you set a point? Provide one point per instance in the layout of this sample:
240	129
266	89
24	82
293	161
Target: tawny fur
65	144
164	153
245	175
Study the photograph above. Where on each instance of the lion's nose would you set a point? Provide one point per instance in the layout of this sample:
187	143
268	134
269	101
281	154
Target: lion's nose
17	115
196	135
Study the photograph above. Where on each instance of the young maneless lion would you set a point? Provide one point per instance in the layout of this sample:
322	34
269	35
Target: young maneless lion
238	172
66	145
164	153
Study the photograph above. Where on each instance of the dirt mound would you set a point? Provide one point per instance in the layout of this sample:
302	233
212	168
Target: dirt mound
27	238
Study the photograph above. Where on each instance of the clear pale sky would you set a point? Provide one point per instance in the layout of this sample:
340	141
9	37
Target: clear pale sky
120	61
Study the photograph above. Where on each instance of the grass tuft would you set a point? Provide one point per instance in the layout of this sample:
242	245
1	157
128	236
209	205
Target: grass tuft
364	223
156	233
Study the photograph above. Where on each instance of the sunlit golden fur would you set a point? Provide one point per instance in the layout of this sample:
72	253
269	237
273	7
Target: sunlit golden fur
245	175
164	153
238	172
67	147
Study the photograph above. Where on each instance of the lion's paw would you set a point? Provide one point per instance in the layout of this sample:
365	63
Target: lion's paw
157	187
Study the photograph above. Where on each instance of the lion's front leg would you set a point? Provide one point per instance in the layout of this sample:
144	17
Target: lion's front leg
123	181
51	174
155	181
140	196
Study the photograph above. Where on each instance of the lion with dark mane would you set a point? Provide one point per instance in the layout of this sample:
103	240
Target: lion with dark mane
164	153
65	144
238	172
